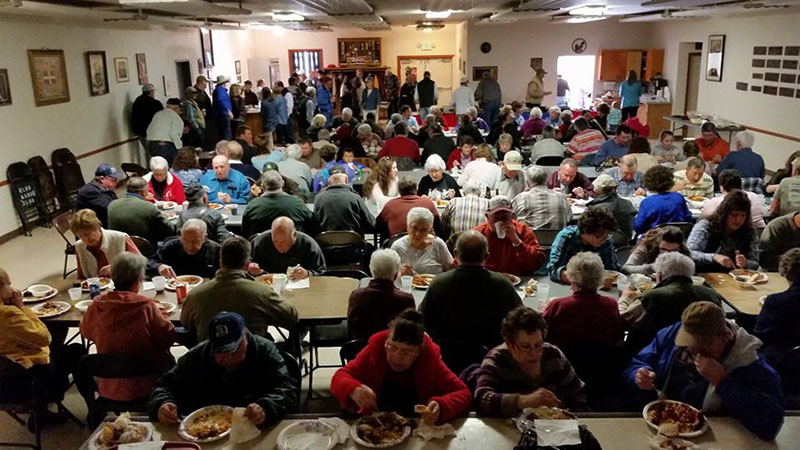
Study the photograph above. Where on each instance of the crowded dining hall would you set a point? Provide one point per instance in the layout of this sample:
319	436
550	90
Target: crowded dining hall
366	224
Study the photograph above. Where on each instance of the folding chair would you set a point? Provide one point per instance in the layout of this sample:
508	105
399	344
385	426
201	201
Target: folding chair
145	247
61	224
69	177
458	355
350	350
46	186
346	249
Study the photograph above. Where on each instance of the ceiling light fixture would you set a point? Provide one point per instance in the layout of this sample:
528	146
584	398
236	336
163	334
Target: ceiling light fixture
139	2
429	26
287	17
582	19
438	14
590	10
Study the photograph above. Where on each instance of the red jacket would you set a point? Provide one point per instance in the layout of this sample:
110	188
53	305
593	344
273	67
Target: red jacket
455	155
525	259
583	318
173	192
400	147
432	379
394	215
129	323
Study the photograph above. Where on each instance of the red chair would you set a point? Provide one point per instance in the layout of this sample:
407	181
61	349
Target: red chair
450	120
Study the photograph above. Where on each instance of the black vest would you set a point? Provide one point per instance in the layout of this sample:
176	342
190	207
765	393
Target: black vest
425	92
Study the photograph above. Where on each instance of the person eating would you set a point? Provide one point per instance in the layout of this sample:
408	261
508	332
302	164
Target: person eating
162	185
593	234
283	249
712	147
420	251
96	245
654	243
191	254
437	180
694	181
513	247
224	185
569	181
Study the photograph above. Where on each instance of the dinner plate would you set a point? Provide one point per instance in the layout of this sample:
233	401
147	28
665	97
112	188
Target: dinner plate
525	420
357	439
95	444
442	203
428	276
215	206
515	280
105	283
191	280
266	278
743	275
307	434
166	306
167	205
697	433
83	305
189	420
39	309
28	297
762	300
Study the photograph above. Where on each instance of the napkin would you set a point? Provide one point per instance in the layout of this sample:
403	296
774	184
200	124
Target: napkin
428	432
148	286
556	432
305	283
342	428
242	430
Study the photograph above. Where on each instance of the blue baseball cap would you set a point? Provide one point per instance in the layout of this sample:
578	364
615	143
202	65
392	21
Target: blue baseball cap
225	332
107	170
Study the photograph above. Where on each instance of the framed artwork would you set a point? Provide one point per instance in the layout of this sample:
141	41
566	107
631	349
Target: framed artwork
716	51
49	76
5	88
141	68
477	72
98	73
207	47
121	69
238	65
537	63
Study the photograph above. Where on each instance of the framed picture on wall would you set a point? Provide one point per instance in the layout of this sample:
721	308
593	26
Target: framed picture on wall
716	51
141	68
238	65
5	88
207	47
121	69
98	73
49	76
477	72
537	63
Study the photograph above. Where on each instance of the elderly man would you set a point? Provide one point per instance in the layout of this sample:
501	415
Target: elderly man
535	92
455	305
463	97
730	181
513	248
489	96
124	322
235	154
615	148
392	218
233	367
622	209
749	164
244	136
694	181
586	142
437	144
591	234
714	365
780	235
197	208
371	308
629	180
225	186
137	217
274	203
191	254
99	193
221	108
512	178
568	180
345	118
467	212
339	208
662	306
400	146
165	131
548	145
258	303
712	147
283	249
540	208
144	108
294	169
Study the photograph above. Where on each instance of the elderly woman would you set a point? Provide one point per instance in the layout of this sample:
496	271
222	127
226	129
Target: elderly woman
388	132
606	189
399	369
317	123
525	371
776	324
665	206
585	317
727	240
483	169
554	117
186	166
534	125
437	180
565	128
655	242
421	251
371	308
504	145
370	141
161	184
476	120
381	184
97	247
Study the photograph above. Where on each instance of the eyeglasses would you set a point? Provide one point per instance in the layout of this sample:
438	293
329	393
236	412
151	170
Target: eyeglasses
402	352
528	348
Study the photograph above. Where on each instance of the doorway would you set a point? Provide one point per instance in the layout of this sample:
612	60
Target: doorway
578	72
440	67
692	82
184	70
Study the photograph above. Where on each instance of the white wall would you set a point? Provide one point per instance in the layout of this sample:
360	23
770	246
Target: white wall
88	123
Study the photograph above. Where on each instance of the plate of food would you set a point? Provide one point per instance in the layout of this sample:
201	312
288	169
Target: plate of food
190	280
530	287
515	280
215	206
307	434
610	278
38	293
208	424
50	308
83	305
661	442
167	205
749	276
167	307
381	430
422	280
525	420
105	283
267	278
665	415
643	286
442	203
121	431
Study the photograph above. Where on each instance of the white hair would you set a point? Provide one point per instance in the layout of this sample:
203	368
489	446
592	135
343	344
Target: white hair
472	111
536	175
472	187
222	147
673	263
158	163
384	264
745	139
126	269
553	109
194	225
629	162
435	110
347	112
566	114
419	214
364	130
324	135
435	162
319	120
536	112
585	270
312	91
293	151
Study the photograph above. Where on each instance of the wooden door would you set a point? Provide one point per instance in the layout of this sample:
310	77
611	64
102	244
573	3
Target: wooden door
692	82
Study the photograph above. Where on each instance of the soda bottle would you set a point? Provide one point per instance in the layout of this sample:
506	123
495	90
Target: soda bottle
180	292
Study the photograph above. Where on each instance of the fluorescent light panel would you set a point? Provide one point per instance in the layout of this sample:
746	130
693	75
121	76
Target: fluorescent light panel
139	2
287	17
591	10
438	14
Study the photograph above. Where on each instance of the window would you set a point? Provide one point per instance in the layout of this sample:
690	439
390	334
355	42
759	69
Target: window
305	61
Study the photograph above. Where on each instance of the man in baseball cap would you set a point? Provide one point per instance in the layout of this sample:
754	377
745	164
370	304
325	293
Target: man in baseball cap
144	108
197	208
99	193
714	365
513	248
512	178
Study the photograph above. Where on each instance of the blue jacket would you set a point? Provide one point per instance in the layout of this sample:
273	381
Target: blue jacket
748	163
777	323
372	101
269	114
282	108
235	185
222	102
661	208
324	100
609	148
751	393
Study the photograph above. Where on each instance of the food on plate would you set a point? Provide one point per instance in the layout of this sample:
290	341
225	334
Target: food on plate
103	282
547	413
50	308
515	280
382	428
659	442
442	203
121	431
420	409
191	280
687	418
215	206
697	198
530	287
609	278
422	280
644	286
267	278
168	205
166	307
749	276
211	424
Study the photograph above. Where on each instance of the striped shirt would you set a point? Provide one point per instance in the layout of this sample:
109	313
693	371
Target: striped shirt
586	142
703	188
501	381
464	213
542	209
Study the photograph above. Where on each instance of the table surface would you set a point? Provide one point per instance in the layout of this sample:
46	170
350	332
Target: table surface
686	122
615	433
231	220
744	300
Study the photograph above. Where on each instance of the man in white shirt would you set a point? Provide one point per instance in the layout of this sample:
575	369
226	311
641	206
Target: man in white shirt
463	97
165	131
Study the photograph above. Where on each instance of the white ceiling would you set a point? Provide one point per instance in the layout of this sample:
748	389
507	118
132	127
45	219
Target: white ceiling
378	14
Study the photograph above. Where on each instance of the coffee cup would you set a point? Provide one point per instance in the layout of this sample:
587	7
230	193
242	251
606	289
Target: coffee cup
159	283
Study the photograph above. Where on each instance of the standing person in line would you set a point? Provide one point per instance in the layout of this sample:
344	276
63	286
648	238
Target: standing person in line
203	100
282	127
221	108
287	94
427	94
165	131
463	98
370	98
562	86
391	91
269	114
407	92
489	96
325	98
535	93
144	108
630	90
195	117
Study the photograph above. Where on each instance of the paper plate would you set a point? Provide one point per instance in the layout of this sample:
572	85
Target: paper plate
190	280
83	305
742	275
419	284
307	434
703	427
50	308
354	435
189	421
95	444
105	283
28	297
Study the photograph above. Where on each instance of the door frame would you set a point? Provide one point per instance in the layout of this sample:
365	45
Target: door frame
688	77
401	57
191	77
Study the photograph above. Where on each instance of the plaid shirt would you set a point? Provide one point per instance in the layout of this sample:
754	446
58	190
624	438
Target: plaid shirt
753	184
704	244
464	213
568	243
703	188
626	188
542	209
